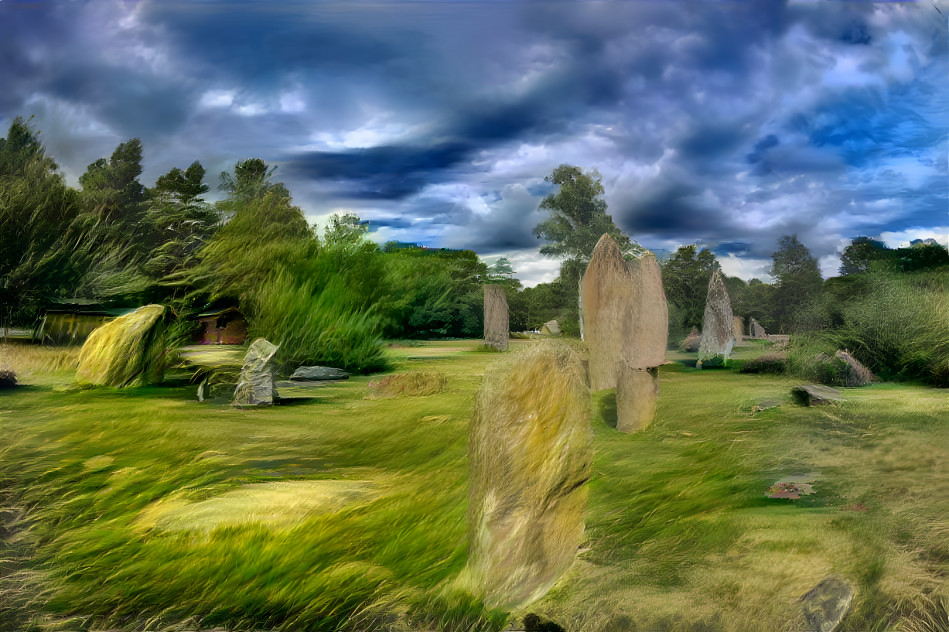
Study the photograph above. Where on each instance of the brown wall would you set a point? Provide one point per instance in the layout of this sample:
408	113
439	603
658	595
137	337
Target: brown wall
234	331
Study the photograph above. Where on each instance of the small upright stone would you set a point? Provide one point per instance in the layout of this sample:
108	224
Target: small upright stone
496	322
756	330
530	455
824	606
718	339
636	393
738	327
256	385
551	328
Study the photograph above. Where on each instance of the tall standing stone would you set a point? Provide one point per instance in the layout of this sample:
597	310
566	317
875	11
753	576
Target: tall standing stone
624	313
496	321
637	391
530	454
718	338
256	385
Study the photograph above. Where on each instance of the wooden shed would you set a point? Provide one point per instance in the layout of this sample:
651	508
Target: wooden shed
71	323
226	326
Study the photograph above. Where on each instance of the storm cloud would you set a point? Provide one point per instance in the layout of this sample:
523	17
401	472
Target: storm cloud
723	124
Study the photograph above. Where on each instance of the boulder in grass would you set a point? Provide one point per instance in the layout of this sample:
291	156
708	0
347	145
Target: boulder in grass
530	455
128	351
692	341
551	328
816	395
636	393
857	374
256	385
823	607
718	336
7	378
410	384
318	373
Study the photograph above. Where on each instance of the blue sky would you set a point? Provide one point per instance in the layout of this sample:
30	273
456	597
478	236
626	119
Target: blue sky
727	124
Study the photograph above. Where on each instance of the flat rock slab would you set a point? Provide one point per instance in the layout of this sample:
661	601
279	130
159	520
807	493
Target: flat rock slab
816	395
317	373
765	405
824	606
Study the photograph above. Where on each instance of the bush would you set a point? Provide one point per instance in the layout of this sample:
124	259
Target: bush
768	363
7	378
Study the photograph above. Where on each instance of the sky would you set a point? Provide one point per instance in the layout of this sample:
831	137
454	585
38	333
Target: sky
726	124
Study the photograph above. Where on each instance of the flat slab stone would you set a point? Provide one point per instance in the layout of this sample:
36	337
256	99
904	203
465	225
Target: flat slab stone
816	395
317	373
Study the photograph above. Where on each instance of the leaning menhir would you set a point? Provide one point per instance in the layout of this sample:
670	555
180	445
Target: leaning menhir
718	337
128	351
496	323
530	454
256	385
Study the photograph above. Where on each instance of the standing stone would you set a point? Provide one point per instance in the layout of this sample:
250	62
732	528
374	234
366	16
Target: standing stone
496	323
823	607
624	313
636	393
530	454
551	328
692	341
857	374
738	328
756	330
718	338
127	351
256	385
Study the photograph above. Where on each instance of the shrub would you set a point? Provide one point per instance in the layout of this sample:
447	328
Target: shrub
767	363
7	378
411	384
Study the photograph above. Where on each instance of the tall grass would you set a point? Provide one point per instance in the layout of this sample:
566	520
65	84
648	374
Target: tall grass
898	327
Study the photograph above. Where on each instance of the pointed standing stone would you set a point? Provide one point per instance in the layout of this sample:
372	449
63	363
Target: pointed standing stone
718	338
496	323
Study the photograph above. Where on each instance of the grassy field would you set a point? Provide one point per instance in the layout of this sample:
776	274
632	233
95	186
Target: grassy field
145	509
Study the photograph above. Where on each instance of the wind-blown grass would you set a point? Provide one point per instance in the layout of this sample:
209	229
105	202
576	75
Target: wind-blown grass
679	533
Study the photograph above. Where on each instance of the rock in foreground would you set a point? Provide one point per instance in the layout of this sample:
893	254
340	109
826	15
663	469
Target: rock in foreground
256	386
824	606
128	351
816	395
318	373
530	454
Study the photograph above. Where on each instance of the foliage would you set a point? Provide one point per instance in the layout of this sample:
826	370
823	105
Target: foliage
128	351
797	282
36	207
685	277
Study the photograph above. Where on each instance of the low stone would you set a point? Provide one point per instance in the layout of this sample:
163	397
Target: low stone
530	455
318	373
692	341
816	395
824	606
756	330
636	393
256	385
857	374
551	328
765	405
7	378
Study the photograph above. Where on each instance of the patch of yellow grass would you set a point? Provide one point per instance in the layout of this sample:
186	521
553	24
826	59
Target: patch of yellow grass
276	505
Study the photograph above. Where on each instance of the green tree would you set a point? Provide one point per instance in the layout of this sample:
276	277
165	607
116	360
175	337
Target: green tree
685	277
578	216
345	228
797	283
861	254
36	208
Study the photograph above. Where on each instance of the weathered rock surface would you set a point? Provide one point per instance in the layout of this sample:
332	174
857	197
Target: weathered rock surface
718	337
824	606
410	384
318	373
756	330
738	328
127	351
7	378
530	456
256	385
625	316
551	328
496	321
636	393
816	395
857	374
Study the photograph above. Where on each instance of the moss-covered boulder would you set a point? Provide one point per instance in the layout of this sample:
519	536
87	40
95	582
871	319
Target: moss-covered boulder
530	454
128	351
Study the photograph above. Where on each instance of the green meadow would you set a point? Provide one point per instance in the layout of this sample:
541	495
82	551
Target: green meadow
144	509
